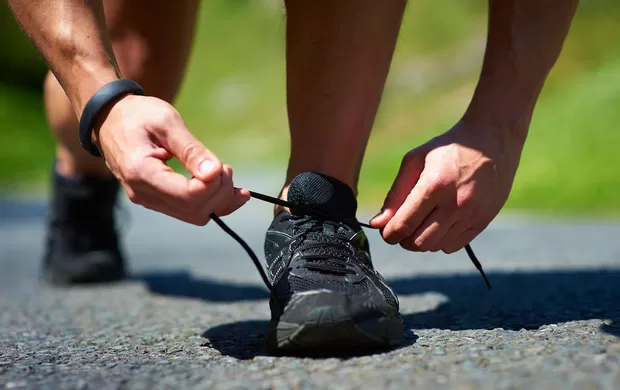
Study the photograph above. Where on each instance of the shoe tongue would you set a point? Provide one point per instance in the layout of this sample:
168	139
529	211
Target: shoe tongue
324	193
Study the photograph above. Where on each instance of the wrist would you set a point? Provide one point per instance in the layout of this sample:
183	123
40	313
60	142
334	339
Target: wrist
496	142
513	128
92	77
102	116
505	111
82	69
504	99
99	107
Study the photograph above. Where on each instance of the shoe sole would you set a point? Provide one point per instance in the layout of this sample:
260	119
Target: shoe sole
329	330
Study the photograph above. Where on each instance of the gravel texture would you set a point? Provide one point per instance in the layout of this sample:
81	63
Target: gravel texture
194	311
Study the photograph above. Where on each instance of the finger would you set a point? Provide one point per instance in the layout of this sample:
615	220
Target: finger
463	239
160	205
153	200
418	205
408	175
431	231
225	195
160	153
183	195
196	187
195	157
241	196
200	203
453	233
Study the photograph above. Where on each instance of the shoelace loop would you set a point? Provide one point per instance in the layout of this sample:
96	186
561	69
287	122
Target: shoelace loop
336	249
329	256
319	213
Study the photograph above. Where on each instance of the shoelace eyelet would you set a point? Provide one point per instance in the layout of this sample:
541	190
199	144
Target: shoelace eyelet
318	213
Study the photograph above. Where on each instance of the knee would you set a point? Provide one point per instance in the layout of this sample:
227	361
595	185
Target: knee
59	111
159	76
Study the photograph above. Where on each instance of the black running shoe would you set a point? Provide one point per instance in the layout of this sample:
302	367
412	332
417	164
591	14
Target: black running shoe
82	243
326	294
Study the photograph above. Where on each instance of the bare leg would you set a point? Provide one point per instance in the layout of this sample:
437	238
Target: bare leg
338	56
152	42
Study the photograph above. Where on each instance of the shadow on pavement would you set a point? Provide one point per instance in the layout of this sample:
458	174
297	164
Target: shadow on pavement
182	284
241	340
246	340
518	300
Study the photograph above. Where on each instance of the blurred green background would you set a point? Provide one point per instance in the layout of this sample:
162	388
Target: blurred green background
233	98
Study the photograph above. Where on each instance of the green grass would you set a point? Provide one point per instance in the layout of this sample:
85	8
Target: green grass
570	162
26	147
233	98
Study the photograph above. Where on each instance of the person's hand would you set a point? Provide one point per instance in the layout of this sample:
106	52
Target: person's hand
448	190
138	135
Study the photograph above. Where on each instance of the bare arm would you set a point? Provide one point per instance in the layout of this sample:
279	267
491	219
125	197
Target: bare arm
71	37
448	190
525	38
137	134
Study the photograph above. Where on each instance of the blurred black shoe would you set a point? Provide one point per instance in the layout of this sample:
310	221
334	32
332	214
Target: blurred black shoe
82	244
326	294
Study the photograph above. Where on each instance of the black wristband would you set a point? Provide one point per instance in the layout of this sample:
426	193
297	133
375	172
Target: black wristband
97	103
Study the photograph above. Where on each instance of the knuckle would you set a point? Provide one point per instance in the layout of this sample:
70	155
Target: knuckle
191	150
465	197
438	182
464	200
428	193
161	131
133	197
164	119
201	220
409	156
132	178
450	250
420	242
402	228
166	115
131	172
409	245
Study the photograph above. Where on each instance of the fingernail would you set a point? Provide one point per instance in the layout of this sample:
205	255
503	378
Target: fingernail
207	167
376	216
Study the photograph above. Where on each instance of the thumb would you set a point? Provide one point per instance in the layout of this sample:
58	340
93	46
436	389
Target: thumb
195	157
408	175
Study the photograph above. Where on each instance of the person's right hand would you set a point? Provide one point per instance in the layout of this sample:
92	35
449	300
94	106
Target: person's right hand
137	135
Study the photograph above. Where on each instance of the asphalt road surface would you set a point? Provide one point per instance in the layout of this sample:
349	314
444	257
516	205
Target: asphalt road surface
194	311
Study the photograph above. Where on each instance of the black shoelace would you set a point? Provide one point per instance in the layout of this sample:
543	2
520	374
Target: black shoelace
320	213
321	254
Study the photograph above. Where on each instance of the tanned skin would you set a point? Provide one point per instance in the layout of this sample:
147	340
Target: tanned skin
447	190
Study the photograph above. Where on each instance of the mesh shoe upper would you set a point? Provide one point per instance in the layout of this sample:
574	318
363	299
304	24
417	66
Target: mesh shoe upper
82	242
309	253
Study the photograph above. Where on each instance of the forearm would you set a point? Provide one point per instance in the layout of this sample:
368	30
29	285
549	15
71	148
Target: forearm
71	37
525	38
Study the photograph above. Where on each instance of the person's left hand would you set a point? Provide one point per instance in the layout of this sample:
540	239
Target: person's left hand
448	190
